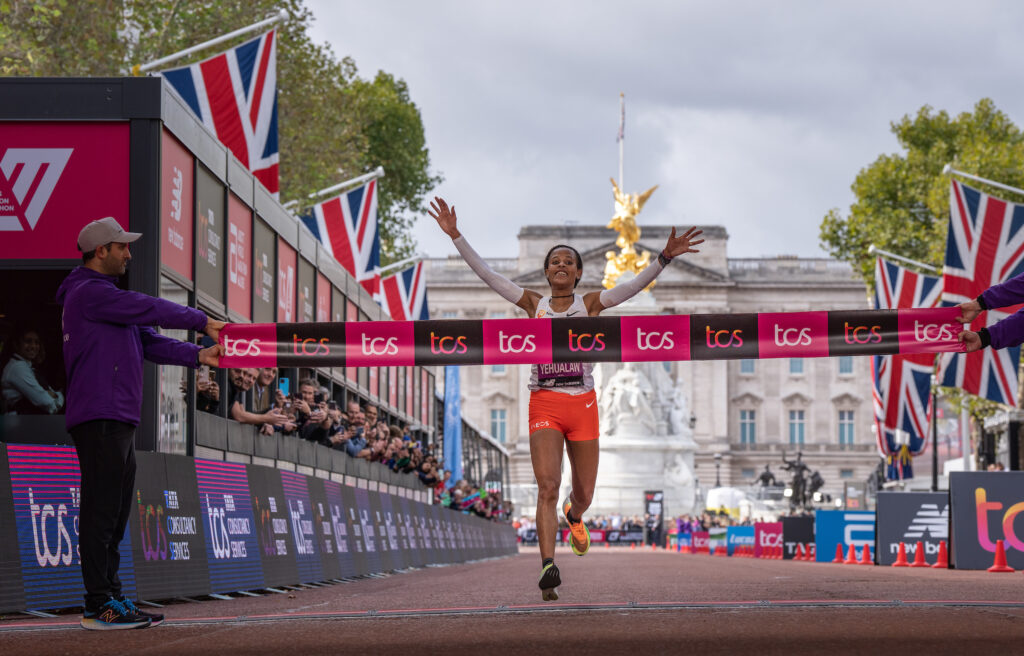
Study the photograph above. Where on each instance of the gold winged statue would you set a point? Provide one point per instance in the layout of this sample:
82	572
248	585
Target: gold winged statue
627	206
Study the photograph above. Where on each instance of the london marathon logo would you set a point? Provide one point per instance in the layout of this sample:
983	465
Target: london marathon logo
723	336
586	340
863	333
28	177
449	342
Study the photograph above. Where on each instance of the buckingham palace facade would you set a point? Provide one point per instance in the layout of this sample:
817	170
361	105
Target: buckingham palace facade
749	413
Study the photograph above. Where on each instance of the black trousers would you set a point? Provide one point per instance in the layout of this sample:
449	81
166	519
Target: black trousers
106	457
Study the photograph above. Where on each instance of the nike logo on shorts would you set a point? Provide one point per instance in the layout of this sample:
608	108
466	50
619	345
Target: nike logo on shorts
591	403
572	313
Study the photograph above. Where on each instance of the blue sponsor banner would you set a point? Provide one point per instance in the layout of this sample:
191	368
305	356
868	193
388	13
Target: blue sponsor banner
739	536
843	527
232	550
46	496
452	425
300	514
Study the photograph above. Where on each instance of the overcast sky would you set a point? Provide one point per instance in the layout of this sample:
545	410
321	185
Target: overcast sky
755	116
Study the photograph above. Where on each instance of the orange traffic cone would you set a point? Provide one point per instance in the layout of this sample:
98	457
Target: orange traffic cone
999	565
839	553
812	552
632	545
865	556
799	555
851	556
919	556
607	545
901	557
942	560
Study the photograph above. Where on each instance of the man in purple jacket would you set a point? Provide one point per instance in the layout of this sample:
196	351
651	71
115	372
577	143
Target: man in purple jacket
1007	332
108	332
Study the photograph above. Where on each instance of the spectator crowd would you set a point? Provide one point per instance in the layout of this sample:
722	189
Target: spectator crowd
357	429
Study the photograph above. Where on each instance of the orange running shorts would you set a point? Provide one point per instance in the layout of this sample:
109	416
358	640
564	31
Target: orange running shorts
574	416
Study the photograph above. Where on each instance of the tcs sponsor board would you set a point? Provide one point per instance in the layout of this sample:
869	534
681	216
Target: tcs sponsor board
199	526
987	506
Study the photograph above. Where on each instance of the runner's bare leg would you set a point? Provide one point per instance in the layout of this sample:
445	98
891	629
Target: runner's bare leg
583	460
546	453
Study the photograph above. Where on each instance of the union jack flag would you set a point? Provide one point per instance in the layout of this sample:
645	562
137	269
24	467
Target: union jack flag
985	247
347	227
405	294
902	383
234	94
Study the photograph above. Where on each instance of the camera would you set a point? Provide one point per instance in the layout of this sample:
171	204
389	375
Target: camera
318	398
332	404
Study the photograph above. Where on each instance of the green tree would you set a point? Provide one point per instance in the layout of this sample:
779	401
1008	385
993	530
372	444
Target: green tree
902	199
328	118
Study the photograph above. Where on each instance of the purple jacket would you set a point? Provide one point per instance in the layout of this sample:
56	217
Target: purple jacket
107	333
1009	331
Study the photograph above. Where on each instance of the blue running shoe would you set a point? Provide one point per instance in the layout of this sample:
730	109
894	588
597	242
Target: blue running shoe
113	616
154	618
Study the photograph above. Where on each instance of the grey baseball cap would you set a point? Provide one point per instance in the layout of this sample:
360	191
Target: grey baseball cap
103	231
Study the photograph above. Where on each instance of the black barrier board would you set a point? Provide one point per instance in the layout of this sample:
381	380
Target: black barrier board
232	548
441	550
414	511
340	528
364	516
910	517
46	497
391	524
414	552
986	506
796	530
384	547
12	593
273	526
167	529
357	541
300	513
323	529
428	543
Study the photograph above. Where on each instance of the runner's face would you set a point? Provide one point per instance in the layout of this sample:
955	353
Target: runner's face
562	270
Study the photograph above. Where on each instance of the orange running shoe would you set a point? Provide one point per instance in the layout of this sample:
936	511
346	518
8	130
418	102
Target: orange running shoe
578	531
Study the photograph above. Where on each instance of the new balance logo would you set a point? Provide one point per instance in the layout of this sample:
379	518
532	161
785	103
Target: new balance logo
28	177
929	519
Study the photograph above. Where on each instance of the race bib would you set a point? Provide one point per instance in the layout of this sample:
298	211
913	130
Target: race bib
560	374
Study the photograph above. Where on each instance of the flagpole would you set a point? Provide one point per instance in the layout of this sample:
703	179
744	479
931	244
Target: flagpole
366	177
401	263
872	250
622	136
949	170
277	18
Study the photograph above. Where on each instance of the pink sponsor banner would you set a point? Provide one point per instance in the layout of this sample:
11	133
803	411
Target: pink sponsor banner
655	339
286	281
371	343
54	179
323	298
767	536
176	182
517	341
239	257
249	345
792	334
701	542
931	330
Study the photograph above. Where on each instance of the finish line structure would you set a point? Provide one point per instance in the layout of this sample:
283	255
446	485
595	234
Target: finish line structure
653	338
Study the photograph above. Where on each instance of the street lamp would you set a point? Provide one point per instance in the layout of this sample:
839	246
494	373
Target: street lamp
718	466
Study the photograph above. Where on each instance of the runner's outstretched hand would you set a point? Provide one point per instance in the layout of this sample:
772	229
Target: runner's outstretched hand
682	243
445	217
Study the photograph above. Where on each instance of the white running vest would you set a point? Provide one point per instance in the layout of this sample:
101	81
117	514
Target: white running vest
565	377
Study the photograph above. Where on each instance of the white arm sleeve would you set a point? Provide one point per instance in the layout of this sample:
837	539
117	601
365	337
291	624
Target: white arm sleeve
507	289
627	290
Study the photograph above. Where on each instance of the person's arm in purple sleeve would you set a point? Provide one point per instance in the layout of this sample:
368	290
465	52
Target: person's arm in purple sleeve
1002	334
110	304
1004	294
164	350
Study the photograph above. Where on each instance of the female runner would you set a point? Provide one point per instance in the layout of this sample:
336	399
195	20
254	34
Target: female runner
563	404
